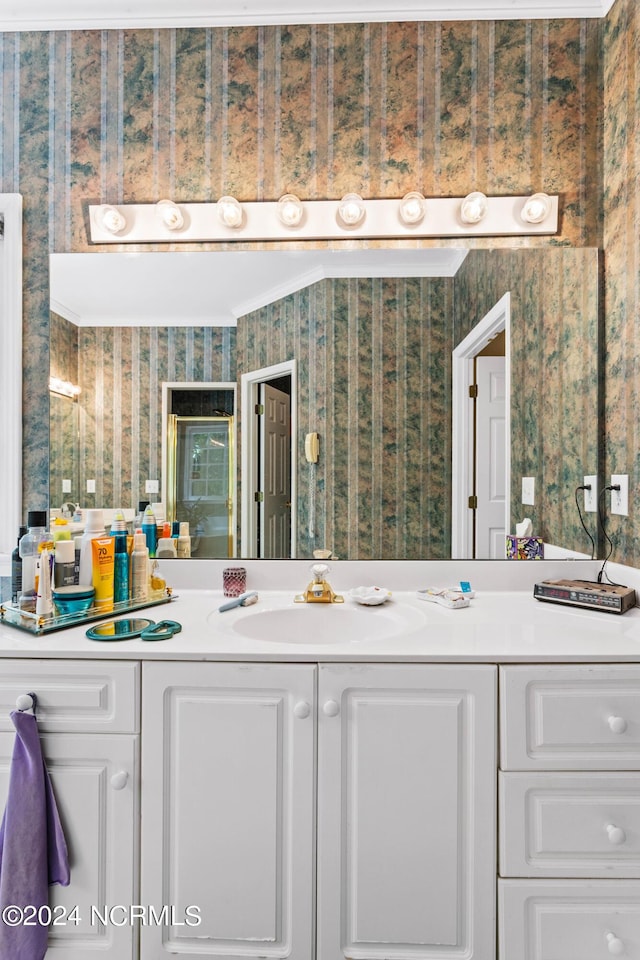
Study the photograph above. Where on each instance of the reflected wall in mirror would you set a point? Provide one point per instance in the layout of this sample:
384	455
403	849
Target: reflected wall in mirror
374	381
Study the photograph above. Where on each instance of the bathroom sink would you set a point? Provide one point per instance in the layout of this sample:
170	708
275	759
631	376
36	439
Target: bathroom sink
315	623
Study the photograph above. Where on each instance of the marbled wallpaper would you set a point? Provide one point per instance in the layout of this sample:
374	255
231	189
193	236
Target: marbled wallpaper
505	107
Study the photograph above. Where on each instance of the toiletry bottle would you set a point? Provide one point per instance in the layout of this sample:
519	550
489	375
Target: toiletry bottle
64	563
184	540
121	558
60	530
94	520
157	583
139	567
16	568
166	548
44	602
139	517
29	549
150	530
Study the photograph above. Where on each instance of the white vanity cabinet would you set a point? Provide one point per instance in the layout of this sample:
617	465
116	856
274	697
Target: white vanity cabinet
569	812
88	719
327	811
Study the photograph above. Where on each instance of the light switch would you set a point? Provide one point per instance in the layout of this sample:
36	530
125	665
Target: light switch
528	490
66	486
91	486
152	486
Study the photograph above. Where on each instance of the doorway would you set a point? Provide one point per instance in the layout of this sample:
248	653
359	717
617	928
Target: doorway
481	448
268	496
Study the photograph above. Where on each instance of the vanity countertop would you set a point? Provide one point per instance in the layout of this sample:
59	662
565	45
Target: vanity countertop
497	627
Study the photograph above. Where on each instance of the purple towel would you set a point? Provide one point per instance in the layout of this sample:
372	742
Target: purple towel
33	852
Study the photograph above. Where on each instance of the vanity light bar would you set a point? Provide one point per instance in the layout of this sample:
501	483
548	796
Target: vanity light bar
320	220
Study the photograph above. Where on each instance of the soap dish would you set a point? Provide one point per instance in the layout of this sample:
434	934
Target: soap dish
370	596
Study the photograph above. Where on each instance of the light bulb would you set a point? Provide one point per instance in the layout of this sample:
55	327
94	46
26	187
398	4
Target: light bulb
111	219
230	212
351	209
536	208
170	214
474	207
290	210
412	207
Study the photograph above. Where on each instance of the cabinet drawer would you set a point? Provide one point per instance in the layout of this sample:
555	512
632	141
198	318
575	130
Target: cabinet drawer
569	919
570	717
74	696
570	825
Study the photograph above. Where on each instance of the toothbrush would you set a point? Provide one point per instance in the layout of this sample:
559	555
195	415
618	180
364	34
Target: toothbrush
244	600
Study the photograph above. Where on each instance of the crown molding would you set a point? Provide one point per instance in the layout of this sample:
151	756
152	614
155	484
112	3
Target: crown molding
29	15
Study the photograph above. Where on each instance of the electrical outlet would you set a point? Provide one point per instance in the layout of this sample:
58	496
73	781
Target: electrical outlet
152	486
591	496
528	490
620	498
91	486
66	486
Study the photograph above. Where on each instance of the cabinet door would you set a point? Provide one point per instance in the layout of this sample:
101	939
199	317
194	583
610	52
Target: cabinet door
406	811
228	809
94	781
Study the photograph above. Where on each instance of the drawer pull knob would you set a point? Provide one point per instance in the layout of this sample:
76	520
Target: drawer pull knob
331	708
616	834
302	710
119	780
617	724
616	946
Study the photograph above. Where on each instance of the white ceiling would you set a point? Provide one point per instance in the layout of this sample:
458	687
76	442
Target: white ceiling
110	14
148	289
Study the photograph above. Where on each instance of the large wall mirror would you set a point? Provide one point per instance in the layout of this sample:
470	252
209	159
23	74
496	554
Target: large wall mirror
356	347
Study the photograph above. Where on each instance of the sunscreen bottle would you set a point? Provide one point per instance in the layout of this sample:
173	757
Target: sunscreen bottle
103	550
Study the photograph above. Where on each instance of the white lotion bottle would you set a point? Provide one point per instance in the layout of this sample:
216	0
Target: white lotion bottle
94	528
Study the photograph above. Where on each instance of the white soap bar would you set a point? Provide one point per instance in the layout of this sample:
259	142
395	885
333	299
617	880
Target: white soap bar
446	598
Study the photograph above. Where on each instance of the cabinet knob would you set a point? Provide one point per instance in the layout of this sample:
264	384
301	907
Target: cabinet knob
615	946
119	780
616	834
331	708
302	709
617	724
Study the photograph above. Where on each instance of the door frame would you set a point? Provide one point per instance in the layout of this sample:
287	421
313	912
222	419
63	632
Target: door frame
496	320
249	463
168	387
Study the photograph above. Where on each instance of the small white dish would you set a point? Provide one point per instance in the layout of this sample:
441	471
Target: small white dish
370	596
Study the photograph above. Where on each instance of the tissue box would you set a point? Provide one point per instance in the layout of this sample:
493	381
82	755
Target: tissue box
524	548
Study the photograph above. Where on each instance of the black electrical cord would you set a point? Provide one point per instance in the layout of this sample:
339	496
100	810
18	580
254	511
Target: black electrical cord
601	519
584	527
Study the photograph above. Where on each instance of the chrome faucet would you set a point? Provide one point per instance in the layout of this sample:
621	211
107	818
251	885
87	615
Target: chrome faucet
319	590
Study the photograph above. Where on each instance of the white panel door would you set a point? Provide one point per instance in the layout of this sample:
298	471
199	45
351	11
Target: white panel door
228	809
491	458
406	811
95	782
275	480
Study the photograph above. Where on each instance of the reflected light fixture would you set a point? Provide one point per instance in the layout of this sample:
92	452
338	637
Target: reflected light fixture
111	219
230	212
290	210
351	210
474	207
412	207
536	208
170	214
64	388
